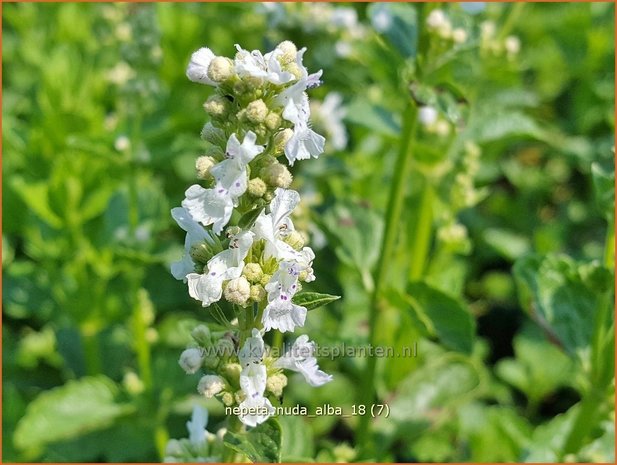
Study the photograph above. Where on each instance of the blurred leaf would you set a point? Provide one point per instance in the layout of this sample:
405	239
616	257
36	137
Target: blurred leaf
69	411
373	117
36	196
562	297
446	317
297	441
548	439
259	444
313	300
495	126
604	190
398	22
507	243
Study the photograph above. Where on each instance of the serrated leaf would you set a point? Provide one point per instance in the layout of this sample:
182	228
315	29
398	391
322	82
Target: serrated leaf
69	411
313	300
248	219
260	444
446	317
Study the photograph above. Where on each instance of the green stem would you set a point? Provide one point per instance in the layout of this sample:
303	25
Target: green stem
393	216
508	24
234	425
422	235
140	340
91	349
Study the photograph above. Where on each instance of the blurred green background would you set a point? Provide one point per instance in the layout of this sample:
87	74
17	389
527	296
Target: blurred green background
100	135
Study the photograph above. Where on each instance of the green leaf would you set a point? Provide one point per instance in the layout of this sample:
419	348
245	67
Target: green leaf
36	198
562	297
313	300
398	22
604	189
374	117
69	411
507	243
249	218
495	126
296	439
445	317
259	444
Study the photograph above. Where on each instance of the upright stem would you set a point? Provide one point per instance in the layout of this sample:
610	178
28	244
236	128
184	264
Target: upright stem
422	235
393	216
141	344
234	425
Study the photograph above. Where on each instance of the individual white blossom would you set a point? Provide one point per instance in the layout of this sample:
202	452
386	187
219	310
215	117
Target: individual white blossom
427	115
195	234
228	264
209	206
300	358
196	426
266	66
210	385
197	70
330	113
281	313
275	225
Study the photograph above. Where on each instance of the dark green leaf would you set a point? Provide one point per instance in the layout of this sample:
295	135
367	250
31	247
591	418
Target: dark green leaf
259	444
313	300
445	316
249	218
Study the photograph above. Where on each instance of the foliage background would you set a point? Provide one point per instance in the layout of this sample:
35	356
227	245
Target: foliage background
100	134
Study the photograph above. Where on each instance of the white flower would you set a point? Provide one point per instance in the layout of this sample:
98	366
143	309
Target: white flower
275	225
300	358
191	360
197	70
330	112
255	411
209	206
281	313
304	143
196	426
231	174
436	19
255	408
228	264
210	385
382	19
194	235
267	66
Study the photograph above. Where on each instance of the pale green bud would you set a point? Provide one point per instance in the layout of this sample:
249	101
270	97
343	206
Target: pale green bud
272	121
258	293
216	106
228	399
265	279
252	272
289	51
343	453
237	291
281	139
220	69
257	187
276	383
240	396
214	135
132	383
232	372
295	239
256	111
201	335
191	360
203	165
277	175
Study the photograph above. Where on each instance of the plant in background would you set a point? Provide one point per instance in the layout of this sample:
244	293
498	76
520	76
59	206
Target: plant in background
241	245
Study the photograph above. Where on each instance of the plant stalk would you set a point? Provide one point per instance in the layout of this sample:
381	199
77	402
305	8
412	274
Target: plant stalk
422	237
393	216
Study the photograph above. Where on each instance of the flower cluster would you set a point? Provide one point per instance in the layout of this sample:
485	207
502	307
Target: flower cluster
241	245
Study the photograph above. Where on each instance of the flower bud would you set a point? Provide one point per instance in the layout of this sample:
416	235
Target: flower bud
201	335
228	399
265	279
272	121
288	52
203	165
214	135
281	139
257	187
232	372
252	272
256	111
276	383
240	396
258	293
210	385
295	239
191	360
220	69
237	291
277	175
132	383
512	45
225	347
216	106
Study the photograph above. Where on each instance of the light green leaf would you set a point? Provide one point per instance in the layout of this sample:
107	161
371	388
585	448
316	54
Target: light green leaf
507	243
445	317
69	411
36	198
376	118
296	439
562	296
495	126
259	444
313	300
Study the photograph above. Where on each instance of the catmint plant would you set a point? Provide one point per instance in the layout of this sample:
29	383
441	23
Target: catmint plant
241	246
